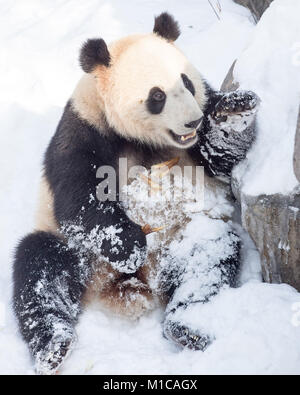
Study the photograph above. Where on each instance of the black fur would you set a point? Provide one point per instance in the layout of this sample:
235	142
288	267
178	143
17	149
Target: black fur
188	84
71	163
94	52
175	329
213	97
219	160
229	267
42	260
166	27
155	106
48	286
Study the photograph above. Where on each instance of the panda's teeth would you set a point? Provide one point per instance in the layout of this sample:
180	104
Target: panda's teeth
188	136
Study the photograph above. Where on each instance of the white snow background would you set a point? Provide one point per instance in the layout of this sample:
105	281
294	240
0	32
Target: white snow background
270	66
257	326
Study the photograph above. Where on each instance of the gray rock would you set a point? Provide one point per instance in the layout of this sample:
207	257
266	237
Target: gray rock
297	150
257	7
273	222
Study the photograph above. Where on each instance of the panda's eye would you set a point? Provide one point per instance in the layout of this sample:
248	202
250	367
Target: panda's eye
156	100
188	84
158	96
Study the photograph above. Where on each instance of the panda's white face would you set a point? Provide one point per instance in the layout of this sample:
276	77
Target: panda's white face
152	93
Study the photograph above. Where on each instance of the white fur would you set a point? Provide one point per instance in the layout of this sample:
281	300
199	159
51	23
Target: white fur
87	102
45	218
120	91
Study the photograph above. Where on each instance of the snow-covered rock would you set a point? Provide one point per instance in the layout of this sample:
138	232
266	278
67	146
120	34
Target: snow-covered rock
273	222
265	183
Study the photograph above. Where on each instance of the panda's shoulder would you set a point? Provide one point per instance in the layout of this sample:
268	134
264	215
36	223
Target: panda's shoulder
75	134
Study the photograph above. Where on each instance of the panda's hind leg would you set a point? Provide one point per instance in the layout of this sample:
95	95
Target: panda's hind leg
119	293
212	265
48	287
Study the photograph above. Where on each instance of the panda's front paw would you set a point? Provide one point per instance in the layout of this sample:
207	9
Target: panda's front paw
238	103
185	337
130	252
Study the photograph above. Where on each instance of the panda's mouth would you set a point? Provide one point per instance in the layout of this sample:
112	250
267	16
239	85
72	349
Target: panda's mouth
184	139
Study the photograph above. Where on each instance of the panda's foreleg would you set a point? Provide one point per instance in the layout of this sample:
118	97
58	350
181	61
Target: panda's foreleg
48	286
227	132
211	265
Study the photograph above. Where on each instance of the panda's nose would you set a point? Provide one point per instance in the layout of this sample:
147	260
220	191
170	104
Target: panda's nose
193	124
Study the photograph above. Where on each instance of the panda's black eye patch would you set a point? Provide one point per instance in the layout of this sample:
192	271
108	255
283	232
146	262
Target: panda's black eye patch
188	84
158	95
156	100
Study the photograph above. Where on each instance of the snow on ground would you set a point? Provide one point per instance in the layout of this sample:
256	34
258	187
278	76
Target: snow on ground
270	66
256	325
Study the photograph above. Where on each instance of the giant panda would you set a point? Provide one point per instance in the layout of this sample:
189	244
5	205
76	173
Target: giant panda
140	99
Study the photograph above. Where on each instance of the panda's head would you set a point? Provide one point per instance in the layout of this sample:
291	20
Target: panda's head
147	88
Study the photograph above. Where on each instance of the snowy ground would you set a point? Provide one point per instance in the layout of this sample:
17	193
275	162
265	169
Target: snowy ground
257	326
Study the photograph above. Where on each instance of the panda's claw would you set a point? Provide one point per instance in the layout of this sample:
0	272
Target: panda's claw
239	103
51	358
185	337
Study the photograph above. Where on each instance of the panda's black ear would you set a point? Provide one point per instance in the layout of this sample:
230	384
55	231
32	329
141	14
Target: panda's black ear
94	52
166	27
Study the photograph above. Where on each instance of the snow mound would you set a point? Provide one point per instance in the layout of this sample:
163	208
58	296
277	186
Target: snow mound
270	66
